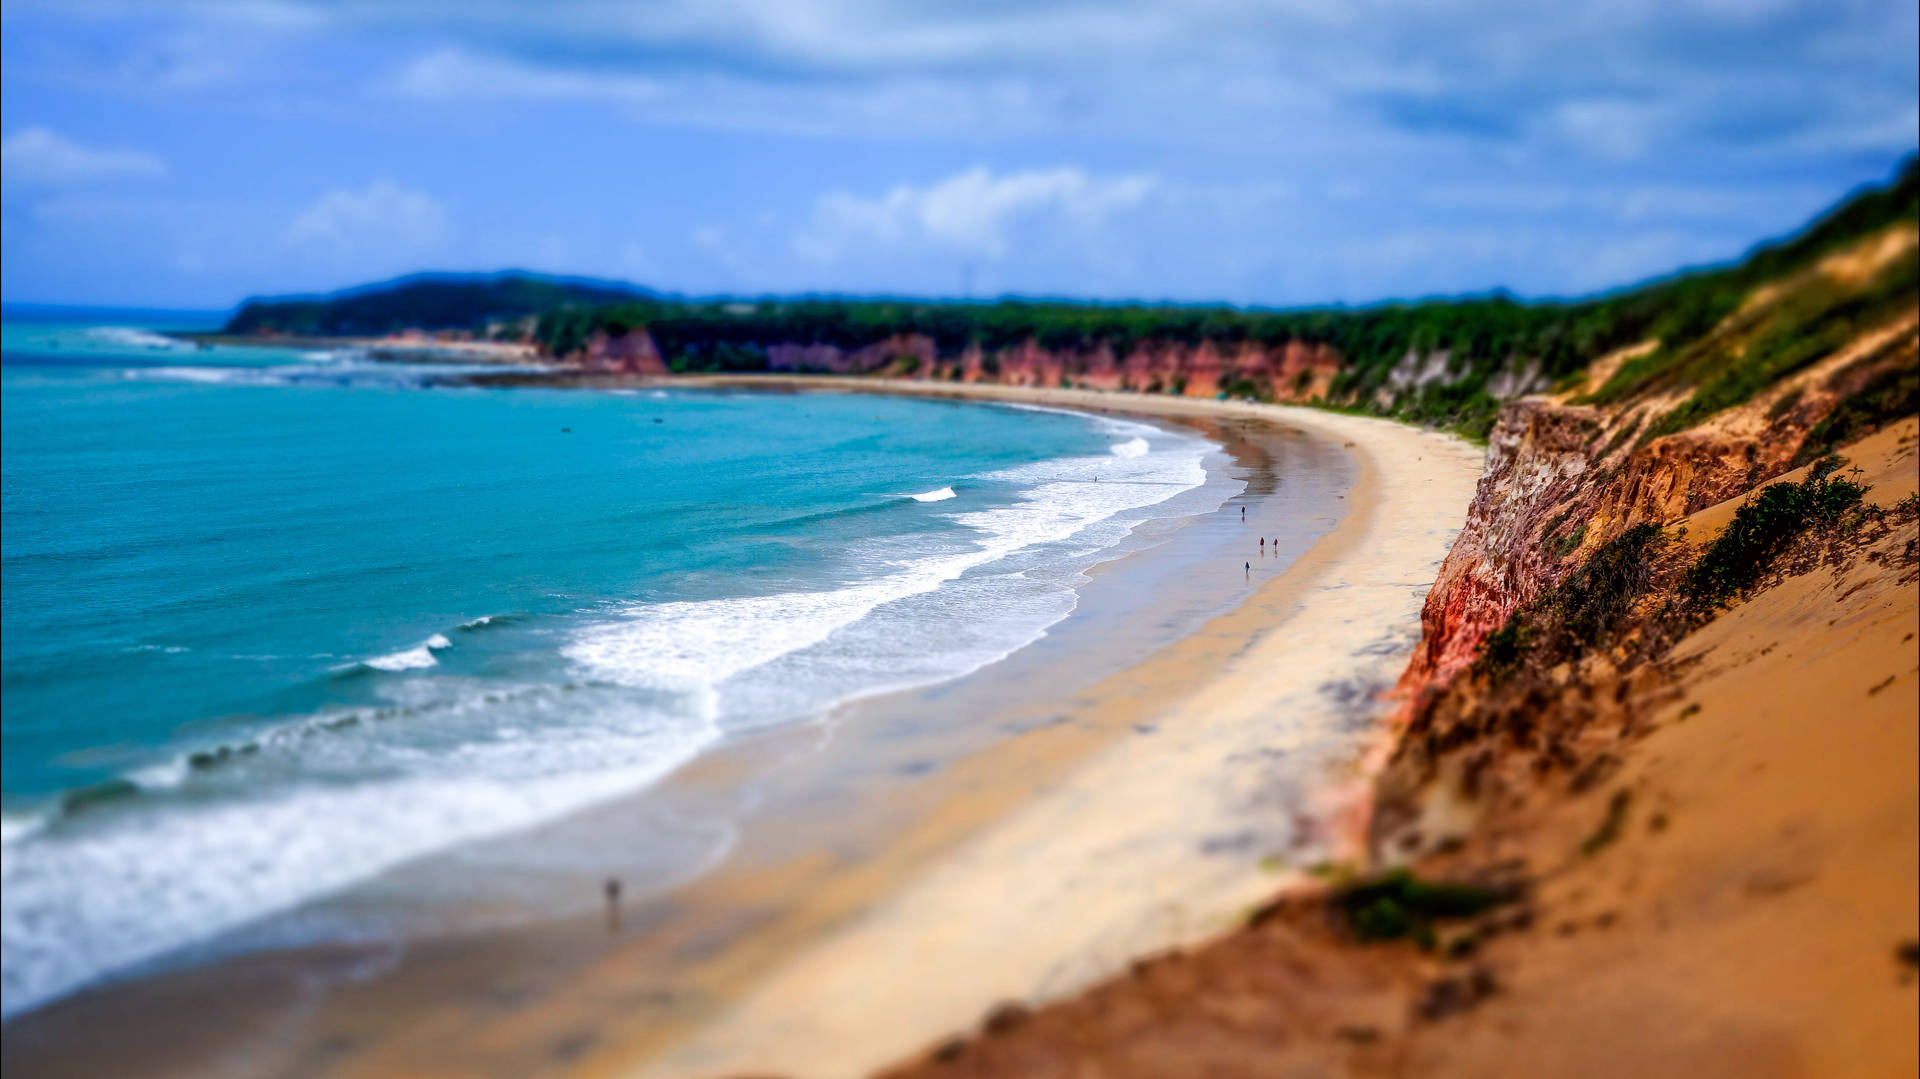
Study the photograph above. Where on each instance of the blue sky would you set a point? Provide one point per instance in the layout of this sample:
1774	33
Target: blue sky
1291	152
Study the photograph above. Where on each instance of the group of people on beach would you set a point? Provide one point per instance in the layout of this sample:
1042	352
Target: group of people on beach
1248	566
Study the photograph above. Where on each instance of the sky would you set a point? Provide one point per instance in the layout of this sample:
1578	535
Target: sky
1282	153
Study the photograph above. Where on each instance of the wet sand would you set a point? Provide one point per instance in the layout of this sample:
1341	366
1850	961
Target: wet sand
885	879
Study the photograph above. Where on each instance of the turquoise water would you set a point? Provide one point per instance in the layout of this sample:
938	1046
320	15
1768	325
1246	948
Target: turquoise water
275	621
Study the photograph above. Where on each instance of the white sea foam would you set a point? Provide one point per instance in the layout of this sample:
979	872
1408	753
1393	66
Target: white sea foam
210	375
132	337
416	658
763	659
114	889
330	367
163	775
15	826
940	495
1132	447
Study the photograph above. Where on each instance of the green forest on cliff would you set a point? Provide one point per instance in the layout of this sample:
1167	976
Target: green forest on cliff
1704	338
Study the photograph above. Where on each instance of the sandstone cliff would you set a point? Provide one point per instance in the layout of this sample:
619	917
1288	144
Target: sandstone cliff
1293	371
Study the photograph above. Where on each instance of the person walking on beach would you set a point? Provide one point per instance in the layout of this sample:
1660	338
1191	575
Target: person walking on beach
613	904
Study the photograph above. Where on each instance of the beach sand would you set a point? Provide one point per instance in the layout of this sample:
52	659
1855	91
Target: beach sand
1146	845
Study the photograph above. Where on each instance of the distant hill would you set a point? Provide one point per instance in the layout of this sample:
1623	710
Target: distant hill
1703	340
1713	336
427	301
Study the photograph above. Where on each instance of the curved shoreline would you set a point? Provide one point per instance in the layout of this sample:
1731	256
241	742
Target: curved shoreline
1020	870
1136	848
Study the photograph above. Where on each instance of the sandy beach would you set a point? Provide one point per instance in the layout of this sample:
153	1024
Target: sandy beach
1145	845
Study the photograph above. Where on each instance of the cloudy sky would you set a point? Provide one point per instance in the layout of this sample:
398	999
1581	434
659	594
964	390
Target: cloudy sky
1289	152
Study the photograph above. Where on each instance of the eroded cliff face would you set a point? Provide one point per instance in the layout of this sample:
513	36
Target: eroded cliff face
1536	459
1561	480
1294	371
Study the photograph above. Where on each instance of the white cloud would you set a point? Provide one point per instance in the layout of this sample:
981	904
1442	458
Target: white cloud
974	212
1609	130
452	74
382	215
38	157
731	99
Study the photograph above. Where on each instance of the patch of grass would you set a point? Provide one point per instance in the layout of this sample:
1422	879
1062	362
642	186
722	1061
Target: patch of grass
1583	612
1611	825
1465	408
1503	650
1399	905
1888	396
1620	436
1591	602
1705	337
1238	386
1763	528
1807	325
1785	404
1571	542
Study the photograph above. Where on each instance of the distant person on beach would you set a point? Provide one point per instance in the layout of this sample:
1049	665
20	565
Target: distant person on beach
613	904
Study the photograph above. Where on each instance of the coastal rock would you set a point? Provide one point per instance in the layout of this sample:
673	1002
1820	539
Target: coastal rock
1536	459
630	353
1561	480
904	353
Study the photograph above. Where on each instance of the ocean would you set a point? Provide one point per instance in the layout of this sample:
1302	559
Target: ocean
276	621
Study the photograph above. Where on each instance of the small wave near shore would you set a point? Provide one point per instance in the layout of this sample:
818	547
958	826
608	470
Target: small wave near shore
1009	573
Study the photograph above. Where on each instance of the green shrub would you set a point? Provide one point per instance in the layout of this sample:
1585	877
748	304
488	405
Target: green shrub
1397	904
1570	542
1890	395
1503	650
1583	612
1763	528
1590	604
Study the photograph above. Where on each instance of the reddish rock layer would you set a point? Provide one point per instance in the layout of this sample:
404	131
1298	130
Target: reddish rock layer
1294	371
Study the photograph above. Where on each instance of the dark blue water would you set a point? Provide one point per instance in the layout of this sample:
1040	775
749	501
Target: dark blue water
275	621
